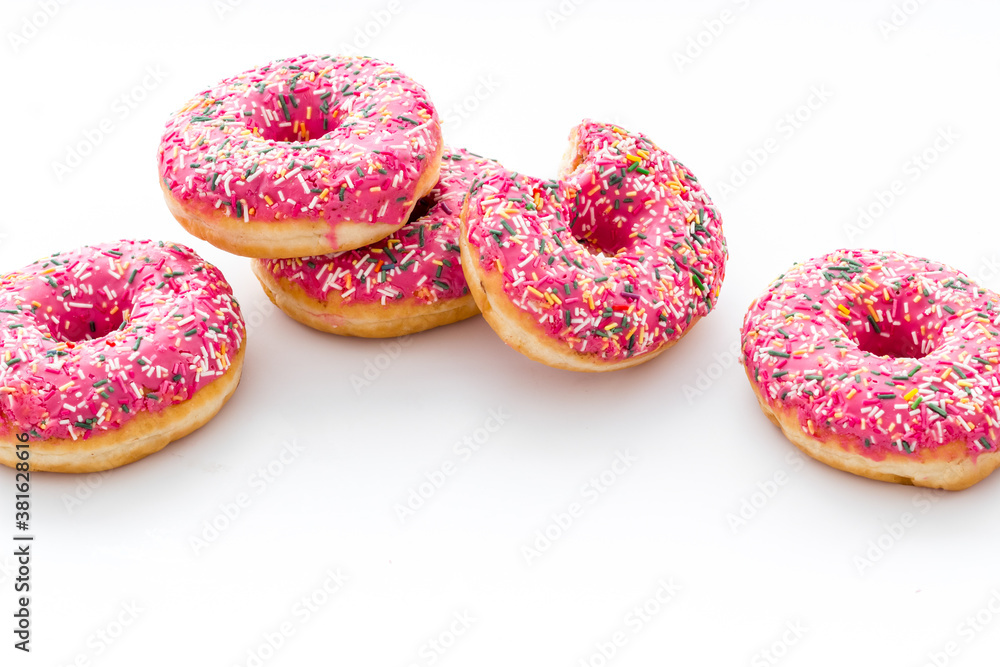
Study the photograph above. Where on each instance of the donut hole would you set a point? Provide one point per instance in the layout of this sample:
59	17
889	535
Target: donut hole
885	329
603	239
603	221
288	116
893	343
73	328
422	208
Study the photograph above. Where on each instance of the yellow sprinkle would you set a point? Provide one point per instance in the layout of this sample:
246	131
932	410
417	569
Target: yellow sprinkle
535	292
913	392
844	309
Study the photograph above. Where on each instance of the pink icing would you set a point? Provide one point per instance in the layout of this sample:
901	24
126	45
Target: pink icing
419	261
91	337
616	258
894	352
320	137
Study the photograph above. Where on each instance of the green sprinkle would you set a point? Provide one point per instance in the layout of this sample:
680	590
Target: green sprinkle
937	409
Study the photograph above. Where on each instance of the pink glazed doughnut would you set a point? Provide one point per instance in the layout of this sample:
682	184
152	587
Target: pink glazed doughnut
109	352
408	282
600	270
881	364
302	156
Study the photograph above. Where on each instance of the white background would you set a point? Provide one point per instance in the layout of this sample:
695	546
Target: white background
510	80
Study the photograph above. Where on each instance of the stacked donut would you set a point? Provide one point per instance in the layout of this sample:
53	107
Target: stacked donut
332	174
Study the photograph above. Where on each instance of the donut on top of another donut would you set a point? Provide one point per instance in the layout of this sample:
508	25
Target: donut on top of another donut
301	156
410	281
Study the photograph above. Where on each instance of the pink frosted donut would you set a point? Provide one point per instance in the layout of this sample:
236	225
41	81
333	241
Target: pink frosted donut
408	282
881	364
301	156
109	352
604	268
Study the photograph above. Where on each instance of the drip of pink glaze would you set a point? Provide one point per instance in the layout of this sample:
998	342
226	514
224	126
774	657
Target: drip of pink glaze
419	261
895	353
316	137
616	258
91	337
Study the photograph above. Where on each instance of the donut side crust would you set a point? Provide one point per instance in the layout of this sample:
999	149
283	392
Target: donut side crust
364	320
946	467
145	434
519	330
291	237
